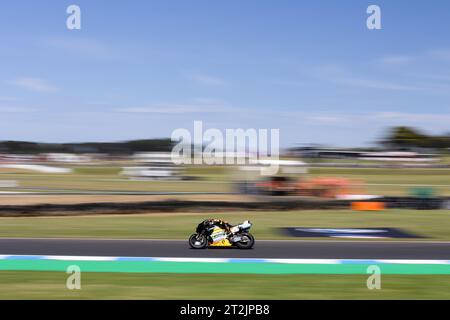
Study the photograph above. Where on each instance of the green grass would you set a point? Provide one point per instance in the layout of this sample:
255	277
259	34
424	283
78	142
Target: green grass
432	224
52	285
78	182
95	170
106	179
392	181
382	181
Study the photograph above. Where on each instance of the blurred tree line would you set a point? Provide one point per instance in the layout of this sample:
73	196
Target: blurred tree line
126	147
398	137
407	137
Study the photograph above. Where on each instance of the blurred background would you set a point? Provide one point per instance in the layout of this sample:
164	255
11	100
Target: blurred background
404	163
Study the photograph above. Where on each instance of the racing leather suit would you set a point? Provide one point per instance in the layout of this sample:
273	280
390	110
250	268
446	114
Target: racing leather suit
218	222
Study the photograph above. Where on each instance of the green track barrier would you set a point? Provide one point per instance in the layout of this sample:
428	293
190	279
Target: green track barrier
220	267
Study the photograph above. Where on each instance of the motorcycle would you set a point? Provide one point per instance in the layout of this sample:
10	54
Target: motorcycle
215	236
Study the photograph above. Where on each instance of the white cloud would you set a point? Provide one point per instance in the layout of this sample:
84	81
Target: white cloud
341	76
397	60
14	110
426	56
199	105
168	109
83	46
408	117
344	76
375	84
441	54
176	109
321	119
431	121
289	83
34	84
206	79
8	99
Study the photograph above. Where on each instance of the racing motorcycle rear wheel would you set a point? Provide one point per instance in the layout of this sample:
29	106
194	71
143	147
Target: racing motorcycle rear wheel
198	241
246	242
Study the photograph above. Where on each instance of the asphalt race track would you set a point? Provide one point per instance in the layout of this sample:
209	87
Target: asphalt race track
263	249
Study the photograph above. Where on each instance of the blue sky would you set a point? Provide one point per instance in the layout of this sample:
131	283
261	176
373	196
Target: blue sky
140	69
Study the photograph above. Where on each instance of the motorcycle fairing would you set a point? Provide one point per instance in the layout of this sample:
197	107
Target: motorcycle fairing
221	243
219	238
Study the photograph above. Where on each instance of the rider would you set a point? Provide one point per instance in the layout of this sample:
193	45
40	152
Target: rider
219	223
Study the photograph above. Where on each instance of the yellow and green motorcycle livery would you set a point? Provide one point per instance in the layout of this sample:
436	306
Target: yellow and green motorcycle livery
218	233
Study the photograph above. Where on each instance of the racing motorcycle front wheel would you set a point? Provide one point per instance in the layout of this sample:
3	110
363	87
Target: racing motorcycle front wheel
246	242
198	241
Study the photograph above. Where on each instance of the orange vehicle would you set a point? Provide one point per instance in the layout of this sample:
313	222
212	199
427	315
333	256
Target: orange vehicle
324	187
277	186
